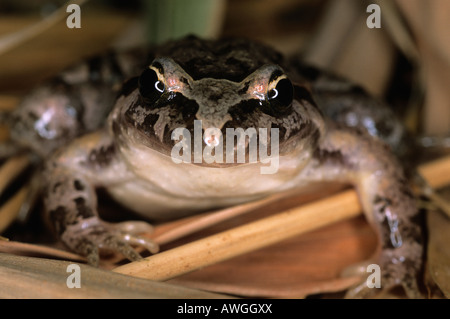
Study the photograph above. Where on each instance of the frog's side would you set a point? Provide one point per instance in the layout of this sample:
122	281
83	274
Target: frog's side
227	84
75	102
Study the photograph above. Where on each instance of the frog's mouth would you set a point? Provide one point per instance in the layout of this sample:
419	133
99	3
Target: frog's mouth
210	147
223	147
226	147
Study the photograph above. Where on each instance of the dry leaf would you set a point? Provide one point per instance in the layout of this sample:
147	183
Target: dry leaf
307	264
27	277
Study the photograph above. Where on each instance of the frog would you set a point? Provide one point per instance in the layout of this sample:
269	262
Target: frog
225	84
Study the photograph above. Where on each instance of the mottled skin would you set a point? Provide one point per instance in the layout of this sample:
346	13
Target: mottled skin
76	101
226	84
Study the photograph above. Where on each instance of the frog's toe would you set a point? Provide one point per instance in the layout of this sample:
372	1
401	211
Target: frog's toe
368	289
129	232
116	243
147	243
92	241
107	237
361	291
133	227
88	249
382	278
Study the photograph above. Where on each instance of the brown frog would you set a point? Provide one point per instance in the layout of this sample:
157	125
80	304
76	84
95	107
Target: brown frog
217	89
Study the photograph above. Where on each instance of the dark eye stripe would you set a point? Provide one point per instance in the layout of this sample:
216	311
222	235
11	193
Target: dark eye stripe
158	66
276	74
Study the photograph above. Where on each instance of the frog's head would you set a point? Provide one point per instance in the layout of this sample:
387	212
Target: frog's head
171	102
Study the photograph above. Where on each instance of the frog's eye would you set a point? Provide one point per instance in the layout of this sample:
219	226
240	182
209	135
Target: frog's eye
150	87
280	97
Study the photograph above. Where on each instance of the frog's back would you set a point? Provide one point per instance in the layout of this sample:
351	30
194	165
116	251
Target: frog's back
231	59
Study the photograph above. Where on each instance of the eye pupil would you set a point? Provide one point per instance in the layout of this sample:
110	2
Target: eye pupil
281	96
150	87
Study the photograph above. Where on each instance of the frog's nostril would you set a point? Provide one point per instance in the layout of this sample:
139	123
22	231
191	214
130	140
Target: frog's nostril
212	136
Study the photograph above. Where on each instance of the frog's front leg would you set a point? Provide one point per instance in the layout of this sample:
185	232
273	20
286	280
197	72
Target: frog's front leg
387	201
71	178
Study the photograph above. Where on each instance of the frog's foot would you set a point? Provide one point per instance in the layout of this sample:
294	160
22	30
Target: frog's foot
368	289
382	276
90	237
130	231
